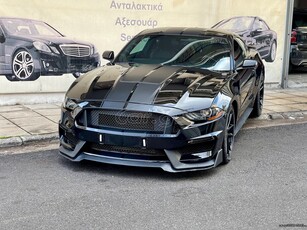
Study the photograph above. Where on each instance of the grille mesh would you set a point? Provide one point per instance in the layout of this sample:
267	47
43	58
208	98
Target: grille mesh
135	121
76	50
129	150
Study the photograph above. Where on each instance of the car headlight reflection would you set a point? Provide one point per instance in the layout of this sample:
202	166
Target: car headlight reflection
205	114
69	104
73	106
41	47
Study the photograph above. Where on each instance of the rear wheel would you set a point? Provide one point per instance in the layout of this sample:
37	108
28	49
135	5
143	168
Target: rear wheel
23	67
229	132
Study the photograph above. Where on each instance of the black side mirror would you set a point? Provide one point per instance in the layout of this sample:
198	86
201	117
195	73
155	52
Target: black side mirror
249	64
2	38
108	55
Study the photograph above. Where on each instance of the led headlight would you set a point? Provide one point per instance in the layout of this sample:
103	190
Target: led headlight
205	114
41	46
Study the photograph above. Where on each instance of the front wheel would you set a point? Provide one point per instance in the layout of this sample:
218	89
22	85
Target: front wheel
23	67
258	104
229	134
272	54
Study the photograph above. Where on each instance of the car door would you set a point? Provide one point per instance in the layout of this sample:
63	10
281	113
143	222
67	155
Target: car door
262	35
245	79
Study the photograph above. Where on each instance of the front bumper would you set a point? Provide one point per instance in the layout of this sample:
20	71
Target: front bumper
298	56
58	64
194	148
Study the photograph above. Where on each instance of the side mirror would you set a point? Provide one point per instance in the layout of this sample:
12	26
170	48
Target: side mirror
2	38
108	55
257	31
249	64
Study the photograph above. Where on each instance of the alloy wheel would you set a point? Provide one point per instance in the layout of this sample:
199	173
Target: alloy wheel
229	134
23	65
273	51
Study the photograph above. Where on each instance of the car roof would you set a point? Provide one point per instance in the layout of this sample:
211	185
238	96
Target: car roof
26	19
188	31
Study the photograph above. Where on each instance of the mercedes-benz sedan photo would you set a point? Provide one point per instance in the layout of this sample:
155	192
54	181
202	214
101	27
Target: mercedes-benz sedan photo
255	32
31	48
173	98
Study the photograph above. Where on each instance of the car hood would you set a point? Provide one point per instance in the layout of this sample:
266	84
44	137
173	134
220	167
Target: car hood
51	39
126	87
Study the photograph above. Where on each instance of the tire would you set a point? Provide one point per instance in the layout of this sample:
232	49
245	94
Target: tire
258	104
11	77
23	67
229	132
272	55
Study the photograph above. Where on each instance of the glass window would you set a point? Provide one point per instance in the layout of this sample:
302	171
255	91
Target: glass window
195	51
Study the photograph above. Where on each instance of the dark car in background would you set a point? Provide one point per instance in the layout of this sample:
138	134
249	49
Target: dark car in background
255	32
31	48
173	98
298	52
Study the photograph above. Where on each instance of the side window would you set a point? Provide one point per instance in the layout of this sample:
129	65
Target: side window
2	38
256	25
1	32
239	53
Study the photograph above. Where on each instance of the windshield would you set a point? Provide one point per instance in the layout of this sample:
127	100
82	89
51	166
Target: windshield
236	24
211	53
28	27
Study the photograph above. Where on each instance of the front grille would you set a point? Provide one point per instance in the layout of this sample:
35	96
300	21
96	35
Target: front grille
126	152
128	120
76	50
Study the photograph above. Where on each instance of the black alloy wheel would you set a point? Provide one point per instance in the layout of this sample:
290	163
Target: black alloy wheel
258	104
229	134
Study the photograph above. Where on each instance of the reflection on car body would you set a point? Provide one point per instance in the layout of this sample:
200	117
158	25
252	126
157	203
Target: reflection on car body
173	98
255	32
30	48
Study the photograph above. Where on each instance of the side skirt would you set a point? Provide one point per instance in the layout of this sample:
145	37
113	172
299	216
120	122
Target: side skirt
243	119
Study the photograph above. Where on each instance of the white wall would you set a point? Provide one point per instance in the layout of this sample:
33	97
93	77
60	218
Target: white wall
104	23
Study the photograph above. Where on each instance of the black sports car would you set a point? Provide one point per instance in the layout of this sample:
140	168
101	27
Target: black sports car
30	48
173	98
255	32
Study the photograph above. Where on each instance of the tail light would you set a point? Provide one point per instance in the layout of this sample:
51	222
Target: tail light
293	37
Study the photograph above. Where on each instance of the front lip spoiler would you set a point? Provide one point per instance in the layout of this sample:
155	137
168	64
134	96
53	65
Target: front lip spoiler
174	165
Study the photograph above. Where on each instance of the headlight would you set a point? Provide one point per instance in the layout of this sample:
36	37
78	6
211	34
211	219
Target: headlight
69	104
41	46
205	114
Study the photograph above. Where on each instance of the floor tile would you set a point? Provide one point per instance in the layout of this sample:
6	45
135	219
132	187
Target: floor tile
281	108
12	131
19	114
49	112
42	106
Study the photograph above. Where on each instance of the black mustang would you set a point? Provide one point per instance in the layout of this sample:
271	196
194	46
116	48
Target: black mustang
173	98
30	48
254	31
